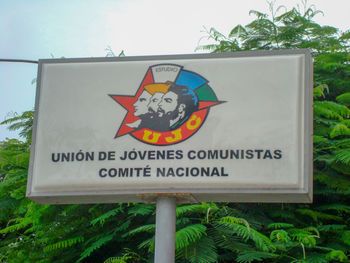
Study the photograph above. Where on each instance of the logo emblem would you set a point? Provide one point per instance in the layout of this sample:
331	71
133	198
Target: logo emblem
170	105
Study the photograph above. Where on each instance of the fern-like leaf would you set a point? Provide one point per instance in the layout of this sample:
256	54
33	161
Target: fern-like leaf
319	139
344	143
234	220
279	225
331	228
261	241
146	228
336	182
320	90
346	237
336	207
127	255
339	130
315	258
96	245
337	255
315	215
64	244
189	209
280	235
343	156
344	98
251	256
189	235
141	209
116	260
148	244
331	110
102	219
304	236
203	251
21	224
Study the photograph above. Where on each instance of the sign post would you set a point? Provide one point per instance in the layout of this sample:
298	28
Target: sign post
165	230
166	223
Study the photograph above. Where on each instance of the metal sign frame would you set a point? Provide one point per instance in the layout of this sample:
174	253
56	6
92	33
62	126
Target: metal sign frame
295	195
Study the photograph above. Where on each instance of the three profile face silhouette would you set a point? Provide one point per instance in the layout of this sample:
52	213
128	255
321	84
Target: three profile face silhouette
164	106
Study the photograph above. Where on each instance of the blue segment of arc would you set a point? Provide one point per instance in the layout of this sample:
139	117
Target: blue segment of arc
190	79
197	84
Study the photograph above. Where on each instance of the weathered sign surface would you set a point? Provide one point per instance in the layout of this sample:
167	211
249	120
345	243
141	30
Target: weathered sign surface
220	127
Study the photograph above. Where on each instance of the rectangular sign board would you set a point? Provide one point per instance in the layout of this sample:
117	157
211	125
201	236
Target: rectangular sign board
234	127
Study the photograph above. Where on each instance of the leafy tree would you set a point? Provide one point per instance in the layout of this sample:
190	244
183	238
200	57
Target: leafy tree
206	232
330	50
23	123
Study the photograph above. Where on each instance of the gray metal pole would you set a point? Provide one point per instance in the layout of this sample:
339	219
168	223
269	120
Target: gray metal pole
165	230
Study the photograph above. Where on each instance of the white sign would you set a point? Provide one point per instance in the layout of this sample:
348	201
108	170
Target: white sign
220	127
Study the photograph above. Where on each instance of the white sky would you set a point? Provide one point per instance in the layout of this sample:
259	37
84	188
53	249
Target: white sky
76	28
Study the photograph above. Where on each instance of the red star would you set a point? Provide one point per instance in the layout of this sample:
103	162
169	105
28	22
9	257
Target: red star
128	101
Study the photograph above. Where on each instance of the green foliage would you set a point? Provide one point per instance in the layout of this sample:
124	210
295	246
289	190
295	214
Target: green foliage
188	235
280	235
23	122
96	245
279	225
206	232
188	209
128	256
251	256
102	219
64	244
339	130
203	251
337	255
319	91
344	99
145	228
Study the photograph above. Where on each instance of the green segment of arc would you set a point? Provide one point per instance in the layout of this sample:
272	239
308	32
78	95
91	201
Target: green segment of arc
205	93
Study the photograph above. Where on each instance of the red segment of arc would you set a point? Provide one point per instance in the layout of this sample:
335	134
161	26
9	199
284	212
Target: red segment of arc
182	133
